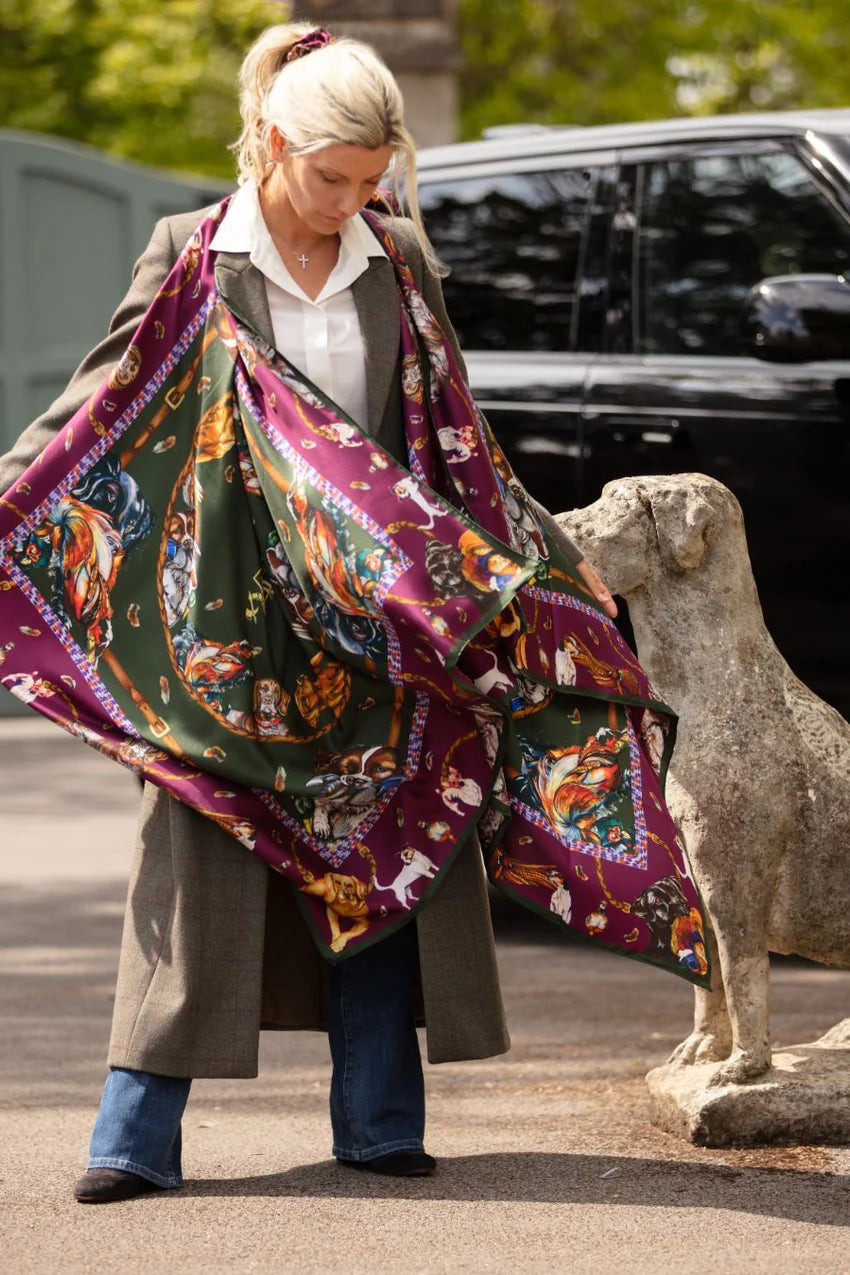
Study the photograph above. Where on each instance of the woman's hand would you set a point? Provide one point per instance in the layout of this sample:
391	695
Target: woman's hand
597	588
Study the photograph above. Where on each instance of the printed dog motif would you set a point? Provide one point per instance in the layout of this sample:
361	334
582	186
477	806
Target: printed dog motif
344	896
270	704
458	444
409	489
673	925
416	866
565	669
494	680
457	791
180	568
211	668
83	542
346	786
116	494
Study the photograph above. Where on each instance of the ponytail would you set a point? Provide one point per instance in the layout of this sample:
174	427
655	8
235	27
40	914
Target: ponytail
338	93
260	68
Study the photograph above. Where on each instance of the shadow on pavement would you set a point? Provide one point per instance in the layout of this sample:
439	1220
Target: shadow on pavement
546	1178
65	915
73	776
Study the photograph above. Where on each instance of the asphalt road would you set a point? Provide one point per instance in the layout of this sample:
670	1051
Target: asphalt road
547	1159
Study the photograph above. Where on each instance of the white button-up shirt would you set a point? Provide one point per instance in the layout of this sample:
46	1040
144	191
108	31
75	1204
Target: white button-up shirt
321	338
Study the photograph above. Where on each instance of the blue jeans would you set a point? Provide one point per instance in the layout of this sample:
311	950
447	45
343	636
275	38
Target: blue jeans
138	1125
377	1088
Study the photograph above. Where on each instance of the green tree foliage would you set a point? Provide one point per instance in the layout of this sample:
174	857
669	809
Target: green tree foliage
154	82
604	61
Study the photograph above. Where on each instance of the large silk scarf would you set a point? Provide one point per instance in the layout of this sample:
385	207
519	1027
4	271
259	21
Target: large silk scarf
214	576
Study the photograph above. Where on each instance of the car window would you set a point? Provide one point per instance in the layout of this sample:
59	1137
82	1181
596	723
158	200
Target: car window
712	226
513	242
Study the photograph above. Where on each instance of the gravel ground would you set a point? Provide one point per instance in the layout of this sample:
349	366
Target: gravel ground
547	1158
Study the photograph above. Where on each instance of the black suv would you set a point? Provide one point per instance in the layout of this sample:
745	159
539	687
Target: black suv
609	291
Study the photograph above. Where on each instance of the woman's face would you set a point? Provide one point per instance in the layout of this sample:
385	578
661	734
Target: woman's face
328	186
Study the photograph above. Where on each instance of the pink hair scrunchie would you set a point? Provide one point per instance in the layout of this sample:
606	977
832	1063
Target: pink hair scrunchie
308	43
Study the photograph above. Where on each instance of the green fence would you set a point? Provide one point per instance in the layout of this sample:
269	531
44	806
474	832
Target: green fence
72	222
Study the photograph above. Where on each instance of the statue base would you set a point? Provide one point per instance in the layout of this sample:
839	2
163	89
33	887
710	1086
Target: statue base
803	1099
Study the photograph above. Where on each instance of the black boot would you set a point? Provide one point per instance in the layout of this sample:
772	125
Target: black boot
398	1164
101	1186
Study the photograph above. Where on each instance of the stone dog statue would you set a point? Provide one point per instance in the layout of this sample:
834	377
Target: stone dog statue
760	780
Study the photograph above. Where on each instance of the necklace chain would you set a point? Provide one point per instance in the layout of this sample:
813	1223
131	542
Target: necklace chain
303	258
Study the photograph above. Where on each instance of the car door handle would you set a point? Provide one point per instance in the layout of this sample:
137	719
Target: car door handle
664	432
640	428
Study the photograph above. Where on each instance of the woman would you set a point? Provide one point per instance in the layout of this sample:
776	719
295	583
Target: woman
278	588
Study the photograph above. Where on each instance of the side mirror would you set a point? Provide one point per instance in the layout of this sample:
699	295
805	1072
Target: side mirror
798	318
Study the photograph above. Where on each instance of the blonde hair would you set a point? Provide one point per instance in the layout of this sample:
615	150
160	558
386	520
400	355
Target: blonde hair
338	94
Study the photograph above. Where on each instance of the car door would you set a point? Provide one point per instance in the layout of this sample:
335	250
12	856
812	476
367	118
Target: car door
522	239
692	230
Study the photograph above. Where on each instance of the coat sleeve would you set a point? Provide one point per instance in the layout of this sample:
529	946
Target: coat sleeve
433	293
148	274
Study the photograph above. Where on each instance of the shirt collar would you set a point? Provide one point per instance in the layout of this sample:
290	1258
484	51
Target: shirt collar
243	229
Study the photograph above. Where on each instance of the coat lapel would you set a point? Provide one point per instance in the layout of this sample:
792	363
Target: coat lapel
242	287
376	298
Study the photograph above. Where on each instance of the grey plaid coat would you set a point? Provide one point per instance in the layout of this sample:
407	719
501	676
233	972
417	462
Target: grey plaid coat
214	947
